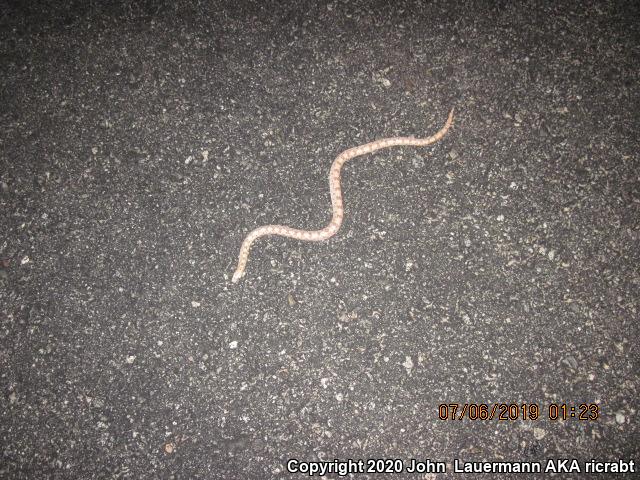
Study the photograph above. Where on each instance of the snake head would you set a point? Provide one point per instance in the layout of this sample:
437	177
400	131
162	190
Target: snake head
237	275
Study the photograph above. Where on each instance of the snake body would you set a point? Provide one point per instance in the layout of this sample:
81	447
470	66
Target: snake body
336	196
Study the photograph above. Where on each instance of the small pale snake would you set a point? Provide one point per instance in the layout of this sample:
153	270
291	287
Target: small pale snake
336	196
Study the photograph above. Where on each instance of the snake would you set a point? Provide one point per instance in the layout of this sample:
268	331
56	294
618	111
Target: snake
336	196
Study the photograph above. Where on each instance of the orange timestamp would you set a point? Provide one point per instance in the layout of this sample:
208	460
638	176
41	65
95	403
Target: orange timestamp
517	411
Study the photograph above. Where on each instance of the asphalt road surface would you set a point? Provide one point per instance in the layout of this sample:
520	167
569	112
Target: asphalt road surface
492	277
